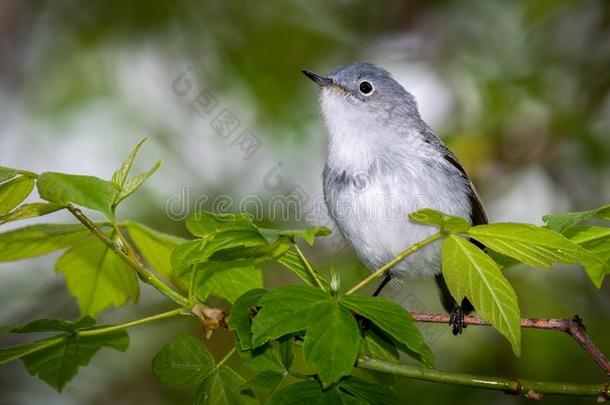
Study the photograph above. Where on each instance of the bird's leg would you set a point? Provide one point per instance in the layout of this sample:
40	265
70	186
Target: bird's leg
383	283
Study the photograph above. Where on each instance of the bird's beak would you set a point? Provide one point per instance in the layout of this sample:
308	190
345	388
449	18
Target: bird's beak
317	79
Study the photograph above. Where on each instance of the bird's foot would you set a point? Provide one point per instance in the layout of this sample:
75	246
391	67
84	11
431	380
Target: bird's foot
456	320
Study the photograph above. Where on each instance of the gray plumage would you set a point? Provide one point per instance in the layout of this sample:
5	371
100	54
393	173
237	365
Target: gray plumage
383	163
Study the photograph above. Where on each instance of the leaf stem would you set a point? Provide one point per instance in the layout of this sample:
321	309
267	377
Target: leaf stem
311	270
530	388
113	328
381	271
146	276
226	357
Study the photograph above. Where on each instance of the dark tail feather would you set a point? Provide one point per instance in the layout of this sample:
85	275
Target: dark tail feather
448	302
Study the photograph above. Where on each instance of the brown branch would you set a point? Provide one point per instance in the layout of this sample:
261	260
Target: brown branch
573	327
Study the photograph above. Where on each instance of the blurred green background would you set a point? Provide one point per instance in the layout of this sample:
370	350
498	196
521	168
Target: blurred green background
520	90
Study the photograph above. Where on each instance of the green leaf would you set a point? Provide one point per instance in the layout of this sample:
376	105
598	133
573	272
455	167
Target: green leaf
469	272
31	210
376	394
380	346
87	191
15	352
7	173
222	387
155	247
448	223
226	280
97	277
596	241
265	357
530	244
394	320
205	224
292	261
267	380
286	309
241	316
58	364
286	349
14	191
332	342
136	181
51	325
310	393
183	362
273	235
223	279
120	176
36	240
564	221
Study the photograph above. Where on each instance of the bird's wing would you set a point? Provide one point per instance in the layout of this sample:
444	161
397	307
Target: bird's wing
478	216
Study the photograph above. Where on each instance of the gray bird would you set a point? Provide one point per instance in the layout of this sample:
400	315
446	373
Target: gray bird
383	163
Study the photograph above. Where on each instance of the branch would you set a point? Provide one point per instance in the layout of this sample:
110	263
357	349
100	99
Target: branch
573	327
532	389
143	272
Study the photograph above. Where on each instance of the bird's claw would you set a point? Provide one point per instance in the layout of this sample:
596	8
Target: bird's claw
456	320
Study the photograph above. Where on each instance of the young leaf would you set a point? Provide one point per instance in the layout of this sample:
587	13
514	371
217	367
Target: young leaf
272	235
14	191
87	191
470	273
375	394
36	240
183	362
241	316
222	387
205	224
155	247
7	173
394	320
31	210
449	223
293	262
135	182
58	363
286	309
530	244
332	342
97	277
564	221
120	176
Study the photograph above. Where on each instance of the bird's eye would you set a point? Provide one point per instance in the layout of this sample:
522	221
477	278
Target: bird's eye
366	87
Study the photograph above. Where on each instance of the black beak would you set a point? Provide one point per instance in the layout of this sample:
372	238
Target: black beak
317	79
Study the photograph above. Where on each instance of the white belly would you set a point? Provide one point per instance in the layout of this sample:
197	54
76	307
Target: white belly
374	217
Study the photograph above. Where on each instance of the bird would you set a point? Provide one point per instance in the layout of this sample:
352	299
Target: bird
384	162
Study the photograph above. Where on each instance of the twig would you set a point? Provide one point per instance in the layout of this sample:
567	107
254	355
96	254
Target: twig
311	270
532	389
383	269
573	327
144	273
113	328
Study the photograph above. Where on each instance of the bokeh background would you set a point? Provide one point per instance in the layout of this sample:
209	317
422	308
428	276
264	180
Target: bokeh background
518	89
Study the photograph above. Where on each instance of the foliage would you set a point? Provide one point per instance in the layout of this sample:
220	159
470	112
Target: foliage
302	342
